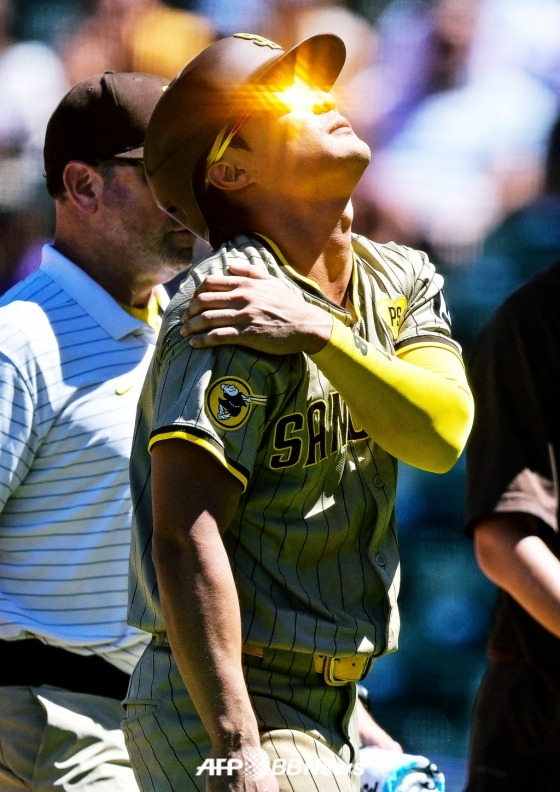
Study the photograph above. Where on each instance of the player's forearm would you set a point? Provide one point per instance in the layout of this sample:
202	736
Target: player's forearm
201	612
515	558
197	590
421	417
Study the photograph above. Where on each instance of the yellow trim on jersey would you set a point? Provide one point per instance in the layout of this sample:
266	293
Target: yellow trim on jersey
355	301
420	409
199	441
425	346
283	259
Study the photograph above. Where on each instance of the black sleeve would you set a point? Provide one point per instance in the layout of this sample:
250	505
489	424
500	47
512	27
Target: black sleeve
514	374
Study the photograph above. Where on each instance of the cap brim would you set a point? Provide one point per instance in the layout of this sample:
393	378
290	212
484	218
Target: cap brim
318	60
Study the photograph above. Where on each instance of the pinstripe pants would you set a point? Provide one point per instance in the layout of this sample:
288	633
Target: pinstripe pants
308	729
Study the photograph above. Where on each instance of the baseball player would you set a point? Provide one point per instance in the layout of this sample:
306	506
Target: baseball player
297	363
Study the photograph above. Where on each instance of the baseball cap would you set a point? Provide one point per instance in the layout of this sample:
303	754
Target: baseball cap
212	92
102	117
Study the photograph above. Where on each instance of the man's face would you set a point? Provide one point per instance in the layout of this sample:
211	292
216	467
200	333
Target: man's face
145	237
297	140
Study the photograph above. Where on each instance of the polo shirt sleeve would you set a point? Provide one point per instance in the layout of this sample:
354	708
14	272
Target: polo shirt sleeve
18	433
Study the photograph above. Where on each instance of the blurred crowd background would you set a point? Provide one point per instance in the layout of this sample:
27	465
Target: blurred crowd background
459	101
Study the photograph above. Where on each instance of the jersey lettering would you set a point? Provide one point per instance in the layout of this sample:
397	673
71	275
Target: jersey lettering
392	312
339	413
297	436
284	441
316	432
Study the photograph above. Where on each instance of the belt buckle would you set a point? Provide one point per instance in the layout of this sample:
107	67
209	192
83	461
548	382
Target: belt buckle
328	673
331	679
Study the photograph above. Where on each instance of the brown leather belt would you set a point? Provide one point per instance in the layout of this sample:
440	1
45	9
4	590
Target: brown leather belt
334	670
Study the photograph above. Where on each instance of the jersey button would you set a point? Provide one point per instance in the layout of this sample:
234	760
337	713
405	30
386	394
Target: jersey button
379	481
380	559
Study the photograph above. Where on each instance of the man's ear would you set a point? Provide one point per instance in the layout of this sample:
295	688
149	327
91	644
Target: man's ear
83	185
226	176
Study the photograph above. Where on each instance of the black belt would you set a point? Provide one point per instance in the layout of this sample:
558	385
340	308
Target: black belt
30	662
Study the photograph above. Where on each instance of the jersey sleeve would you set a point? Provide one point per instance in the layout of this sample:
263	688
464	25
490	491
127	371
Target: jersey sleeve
510	454
415	310
221	398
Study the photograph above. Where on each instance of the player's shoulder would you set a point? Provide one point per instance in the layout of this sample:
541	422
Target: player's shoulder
243	248
398	264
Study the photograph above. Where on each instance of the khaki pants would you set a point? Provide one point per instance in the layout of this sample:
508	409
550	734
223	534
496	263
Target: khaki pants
56	739
308	729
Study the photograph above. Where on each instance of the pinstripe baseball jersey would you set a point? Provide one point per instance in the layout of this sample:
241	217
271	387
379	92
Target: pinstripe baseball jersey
72	363
313	544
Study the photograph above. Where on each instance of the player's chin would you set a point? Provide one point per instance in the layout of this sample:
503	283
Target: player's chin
351	148
363	151
357	158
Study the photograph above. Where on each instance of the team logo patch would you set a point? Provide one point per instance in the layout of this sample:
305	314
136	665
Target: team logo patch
260	41
230	401
392	313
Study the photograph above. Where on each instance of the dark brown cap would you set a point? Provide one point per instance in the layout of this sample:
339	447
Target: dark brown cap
102	117
209	94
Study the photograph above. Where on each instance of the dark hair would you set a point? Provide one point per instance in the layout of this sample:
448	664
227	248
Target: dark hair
54	183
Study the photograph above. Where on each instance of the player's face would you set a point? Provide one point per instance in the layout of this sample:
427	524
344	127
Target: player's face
136	230
304	145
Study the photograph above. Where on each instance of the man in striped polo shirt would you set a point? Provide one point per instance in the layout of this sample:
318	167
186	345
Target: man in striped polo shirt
264	555
76	338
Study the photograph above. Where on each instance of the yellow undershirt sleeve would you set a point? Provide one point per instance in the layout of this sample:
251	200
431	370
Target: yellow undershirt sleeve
417	406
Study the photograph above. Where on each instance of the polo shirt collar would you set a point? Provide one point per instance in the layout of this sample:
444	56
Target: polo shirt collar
93	299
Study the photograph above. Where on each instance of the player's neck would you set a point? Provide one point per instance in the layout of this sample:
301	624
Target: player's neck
317	248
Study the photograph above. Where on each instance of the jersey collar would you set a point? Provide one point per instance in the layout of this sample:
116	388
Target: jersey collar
93	299
348	316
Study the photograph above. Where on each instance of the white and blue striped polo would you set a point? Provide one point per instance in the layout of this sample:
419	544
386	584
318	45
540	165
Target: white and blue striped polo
72	363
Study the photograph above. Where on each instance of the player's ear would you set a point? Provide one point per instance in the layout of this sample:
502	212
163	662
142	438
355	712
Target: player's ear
227	175
83	184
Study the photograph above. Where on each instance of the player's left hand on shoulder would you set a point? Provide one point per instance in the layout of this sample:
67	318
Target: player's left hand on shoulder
254	309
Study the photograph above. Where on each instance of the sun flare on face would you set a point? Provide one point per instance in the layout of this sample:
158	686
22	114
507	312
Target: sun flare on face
299	96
